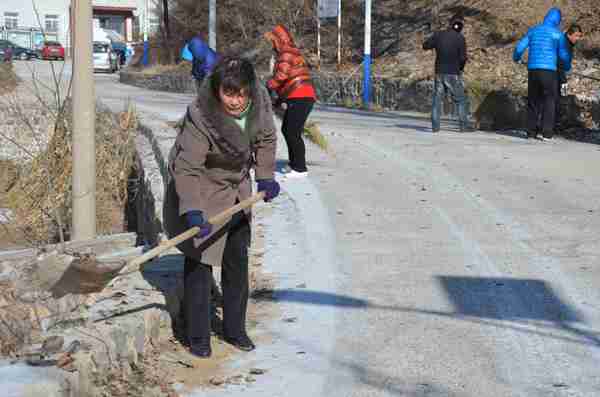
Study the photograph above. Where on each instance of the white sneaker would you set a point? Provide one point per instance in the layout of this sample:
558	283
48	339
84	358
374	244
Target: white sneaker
295	174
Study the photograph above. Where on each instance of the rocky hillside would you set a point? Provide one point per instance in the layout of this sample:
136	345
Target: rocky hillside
399	28
492	29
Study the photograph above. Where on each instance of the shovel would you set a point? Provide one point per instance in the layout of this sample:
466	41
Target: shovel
84	274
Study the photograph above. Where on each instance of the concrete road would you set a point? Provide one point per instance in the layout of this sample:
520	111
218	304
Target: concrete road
474	256
419	264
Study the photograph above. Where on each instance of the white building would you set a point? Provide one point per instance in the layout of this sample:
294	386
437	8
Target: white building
19	19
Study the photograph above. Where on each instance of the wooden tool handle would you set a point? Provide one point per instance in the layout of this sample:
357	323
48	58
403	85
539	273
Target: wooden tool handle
168	244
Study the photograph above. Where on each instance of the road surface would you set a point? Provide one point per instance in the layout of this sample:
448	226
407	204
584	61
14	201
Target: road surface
418	264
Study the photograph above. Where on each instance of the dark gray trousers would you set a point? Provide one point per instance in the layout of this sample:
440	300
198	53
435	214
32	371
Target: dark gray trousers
449	85
198	281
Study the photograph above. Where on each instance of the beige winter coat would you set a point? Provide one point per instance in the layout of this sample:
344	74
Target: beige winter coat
209	166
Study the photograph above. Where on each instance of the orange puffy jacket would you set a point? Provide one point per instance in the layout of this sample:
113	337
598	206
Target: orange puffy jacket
291	76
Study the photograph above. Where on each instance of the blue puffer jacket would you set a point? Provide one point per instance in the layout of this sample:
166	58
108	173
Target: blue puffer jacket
546	45
205	58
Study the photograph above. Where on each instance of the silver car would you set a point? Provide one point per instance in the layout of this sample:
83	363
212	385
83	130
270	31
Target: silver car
105	58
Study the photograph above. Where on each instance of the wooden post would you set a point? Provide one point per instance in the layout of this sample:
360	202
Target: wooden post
84	115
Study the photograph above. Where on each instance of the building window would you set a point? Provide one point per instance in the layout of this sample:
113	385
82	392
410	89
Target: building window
153	25
11	20
112	22
51	23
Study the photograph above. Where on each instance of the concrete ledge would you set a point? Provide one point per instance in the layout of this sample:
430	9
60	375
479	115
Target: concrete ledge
100	245
174	82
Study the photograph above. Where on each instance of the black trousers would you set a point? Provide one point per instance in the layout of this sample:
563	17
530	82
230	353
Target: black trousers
234	282
560	83
292	127
541	102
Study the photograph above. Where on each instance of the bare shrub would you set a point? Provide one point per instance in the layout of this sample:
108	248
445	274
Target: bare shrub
42	197
8	79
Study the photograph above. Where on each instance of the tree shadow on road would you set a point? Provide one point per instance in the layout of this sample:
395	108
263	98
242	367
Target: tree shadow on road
521	305
417	128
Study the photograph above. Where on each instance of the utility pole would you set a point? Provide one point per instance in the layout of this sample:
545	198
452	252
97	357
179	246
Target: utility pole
318	42
212	24
146	45
367	58
339	23
84	114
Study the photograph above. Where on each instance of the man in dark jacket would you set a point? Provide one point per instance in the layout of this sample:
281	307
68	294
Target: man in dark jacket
547	45
451	56
573	35
204	59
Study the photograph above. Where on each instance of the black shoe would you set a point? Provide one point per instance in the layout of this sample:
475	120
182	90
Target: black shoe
242	342
179	330
467	129
181	337
201	348
435	130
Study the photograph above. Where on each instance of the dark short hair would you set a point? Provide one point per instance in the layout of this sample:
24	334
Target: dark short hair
574	28
232	73
457	22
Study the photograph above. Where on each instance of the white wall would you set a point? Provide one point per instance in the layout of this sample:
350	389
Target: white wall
28	19
27	16
115	3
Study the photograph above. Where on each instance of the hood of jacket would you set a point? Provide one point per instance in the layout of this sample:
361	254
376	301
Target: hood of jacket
553	17
281	38
208	115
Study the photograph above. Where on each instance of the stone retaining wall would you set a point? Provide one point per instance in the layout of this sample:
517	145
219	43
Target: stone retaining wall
331	89
117	330
498	109
104	337
171	82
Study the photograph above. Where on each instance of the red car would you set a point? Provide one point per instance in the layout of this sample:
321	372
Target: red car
53	50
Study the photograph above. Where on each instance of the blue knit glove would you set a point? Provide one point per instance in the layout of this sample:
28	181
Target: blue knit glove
270	187
196	218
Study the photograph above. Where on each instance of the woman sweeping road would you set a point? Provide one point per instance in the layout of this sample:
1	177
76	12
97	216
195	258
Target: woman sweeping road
291	85
227	131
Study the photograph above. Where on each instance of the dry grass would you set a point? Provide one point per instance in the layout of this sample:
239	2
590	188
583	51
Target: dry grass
42	195
313	133
8	79
311	130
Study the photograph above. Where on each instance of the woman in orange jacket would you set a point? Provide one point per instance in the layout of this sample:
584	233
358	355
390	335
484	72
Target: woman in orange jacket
291	83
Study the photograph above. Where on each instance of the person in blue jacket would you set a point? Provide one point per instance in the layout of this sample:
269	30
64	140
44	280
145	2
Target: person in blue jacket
547	45
204	59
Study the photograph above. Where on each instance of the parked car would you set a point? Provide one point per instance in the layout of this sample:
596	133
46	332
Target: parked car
105	57
53	50
24	54
6	51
